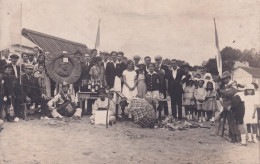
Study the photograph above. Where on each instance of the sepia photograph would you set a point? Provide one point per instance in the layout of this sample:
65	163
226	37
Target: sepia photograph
129	82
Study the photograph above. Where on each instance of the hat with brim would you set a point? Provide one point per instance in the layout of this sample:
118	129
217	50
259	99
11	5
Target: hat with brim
96	59
225	75
141	63
158	57
186	64
7	66
14	56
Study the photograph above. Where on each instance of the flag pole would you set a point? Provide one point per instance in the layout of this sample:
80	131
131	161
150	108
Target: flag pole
218	56
21	42
98	36
22	100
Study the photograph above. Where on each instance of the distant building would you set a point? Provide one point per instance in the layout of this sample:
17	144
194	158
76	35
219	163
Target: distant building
241	64
16	48
246	75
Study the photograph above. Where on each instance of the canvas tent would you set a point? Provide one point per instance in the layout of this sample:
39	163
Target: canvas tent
51	43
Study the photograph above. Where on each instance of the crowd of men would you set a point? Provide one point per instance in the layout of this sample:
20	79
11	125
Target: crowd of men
26	84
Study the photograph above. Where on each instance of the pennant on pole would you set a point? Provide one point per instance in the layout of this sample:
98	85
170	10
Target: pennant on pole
97	44
218	56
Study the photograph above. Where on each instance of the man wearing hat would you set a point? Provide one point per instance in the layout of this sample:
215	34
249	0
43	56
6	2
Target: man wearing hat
16	69
66	104
137	59
165	69
31	92
226	92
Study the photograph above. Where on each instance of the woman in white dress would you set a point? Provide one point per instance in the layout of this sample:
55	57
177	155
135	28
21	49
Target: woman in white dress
130	81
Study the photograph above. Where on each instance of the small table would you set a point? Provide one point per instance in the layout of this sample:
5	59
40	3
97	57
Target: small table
82	96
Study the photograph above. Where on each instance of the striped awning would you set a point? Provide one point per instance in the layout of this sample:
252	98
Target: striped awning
51	43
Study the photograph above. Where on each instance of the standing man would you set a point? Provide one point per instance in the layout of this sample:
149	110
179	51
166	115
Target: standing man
31	59
111	70
121	66
77	84
37	52
4	58
147	61
16	69
93	53
165	69
136	61
84	79
227	91
105	60
176	77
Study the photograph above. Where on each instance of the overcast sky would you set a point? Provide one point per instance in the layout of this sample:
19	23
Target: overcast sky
172	28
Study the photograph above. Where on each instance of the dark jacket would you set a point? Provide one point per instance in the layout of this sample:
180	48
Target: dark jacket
2	64
31	88
175	84
153	82
18	71
83	76
110	74
11	87
120	67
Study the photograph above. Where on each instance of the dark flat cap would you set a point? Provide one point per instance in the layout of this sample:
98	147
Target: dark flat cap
14	56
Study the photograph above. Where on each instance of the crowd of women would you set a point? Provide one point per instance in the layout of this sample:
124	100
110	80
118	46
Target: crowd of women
201	95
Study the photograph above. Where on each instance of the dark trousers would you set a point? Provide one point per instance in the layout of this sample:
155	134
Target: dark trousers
176	100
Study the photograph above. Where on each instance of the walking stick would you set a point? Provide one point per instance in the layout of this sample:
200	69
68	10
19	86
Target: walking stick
108	108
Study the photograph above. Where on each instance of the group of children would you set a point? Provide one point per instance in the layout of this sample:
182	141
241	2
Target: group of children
200	99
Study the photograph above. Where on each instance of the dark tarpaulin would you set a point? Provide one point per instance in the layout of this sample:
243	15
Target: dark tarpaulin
51	43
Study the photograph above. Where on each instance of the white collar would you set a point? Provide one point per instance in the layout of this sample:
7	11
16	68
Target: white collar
152	73
176	69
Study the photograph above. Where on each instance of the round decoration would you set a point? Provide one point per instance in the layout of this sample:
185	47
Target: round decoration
63	66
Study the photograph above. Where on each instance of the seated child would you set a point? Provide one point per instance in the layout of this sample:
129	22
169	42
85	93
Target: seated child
102	103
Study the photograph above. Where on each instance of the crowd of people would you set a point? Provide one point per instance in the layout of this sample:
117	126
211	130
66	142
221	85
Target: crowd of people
25	84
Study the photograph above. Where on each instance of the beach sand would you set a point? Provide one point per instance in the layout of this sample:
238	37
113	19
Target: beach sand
77	141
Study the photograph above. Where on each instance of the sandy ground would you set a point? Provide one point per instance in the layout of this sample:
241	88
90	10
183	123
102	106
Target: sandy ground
77	141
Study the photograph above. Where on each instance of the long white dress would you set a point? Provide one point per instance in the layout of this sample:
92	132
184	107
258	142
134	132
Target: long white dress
250	101
130	79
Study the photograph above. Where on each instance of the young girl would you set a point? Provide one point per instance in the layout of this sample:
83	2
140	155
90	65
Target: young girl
210	101
188	99
208	77
250	119
200	94
245	113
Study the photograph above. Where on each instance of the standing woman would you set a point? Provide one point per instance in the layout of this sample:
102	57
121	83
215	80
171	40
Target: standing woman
97	72
25	61
141	86
130	81
40	61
